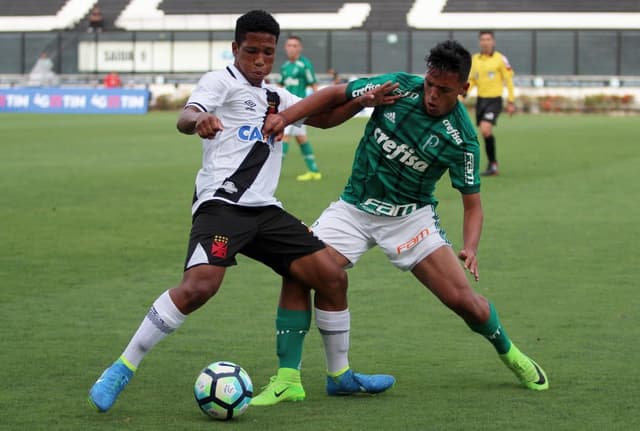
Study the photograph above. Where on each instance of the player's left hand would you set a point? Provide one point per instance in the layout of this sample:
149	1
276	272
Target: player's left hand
511	109
470	262
382	95
274	126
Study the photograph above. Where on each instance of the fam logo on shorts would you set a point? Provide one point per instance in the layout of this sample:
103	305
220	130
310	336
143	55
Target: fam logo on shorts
413	241
219	246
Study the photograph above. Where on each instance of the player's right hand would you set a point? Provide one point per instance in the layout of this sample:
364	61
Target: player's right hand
382	95
208	125
470	262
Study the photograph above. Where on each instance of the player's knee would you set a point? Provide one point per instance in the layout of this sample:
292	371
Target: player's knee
195	292
331	291
463	303
486	129
338	281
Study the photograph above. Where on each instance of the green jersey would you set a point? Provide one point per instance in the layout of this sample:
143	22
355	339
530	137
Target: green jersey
296	76
404	151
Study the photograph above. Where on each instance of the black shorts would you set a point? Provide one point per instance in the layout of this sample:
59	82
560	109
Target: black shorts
267	234
488	109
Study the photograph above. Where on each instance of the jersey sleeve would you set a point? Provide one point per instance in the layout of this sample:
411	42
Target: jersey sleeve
473	73
507	77
360	86
209	94
464	168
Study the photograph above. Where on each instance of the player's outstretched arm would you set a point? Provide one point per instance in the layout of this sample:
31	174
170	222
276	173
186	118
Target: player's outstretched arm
471	230
320	101
329	107
192	121
381	95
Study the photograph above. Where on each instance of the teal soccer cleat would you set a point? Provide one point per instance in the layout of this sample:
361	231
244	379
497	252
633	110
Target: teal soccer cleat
105	390
349	383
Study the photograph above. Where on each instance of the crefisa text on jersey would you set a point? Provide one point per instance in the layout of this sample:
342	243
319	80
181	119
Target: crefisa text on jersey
398	91
402	152
454	133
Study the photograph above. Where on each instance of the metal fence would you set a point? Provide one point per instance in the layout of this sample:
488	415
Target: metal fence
531	52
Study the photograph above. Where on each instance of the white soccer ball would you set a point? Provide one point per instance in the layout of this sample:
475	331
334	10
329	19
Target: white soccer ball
223	390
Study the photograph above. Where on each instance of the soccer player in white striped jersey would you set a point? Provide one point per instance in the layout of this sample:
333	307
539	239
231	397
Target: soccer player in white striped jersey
235	211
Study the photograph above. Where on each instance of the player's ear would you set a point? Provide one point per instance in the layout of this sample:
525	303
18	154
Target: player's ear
465	88
234	48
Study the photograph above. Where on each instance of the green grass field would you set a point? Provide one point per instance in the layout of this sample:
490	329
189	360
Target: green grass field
95	214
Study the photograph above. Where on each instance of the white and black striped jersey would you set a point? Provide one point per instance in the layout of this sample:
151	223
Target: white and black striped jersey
239	166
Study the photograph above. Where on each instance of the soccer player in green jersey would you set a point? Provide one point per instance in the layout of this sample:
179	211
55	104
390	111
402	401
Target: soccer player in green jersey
296	75
388	201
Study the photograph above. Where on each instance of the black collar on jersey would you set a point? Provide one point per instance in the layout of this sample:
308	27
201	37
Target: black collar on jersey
239	76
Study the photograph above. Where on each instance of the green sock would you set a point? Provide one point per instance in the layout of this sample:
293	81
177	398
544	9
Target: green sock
309	157
291	327
493	331
285	149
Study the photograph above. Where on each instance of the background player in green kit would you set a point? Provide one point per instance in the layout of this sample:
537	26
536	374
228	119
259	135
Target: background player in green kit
296	75
389	202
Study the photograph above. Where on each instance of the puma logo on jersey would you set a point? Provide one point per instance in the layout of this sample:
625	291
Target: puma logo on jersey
403	153
391	116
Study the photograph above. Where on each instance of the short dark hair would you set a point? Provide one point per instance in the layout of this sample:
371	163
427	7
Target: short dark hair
489	32
256	21
293	36
450	56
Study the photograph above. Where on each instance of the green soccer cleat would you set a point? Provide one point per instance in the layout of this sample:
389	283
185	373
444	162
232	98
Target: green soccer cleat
530	374
285	386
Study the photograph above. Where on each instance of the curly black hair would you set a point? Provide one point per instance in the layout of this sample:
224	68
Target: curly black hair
450	56
256	21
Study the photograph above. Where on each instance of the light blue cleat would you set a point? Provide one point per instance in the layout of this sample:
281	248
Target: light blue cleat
105	390
349	383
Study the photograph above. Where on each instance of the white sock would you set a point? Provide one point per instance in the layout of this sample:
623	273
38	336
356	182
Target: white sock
334	327
162	319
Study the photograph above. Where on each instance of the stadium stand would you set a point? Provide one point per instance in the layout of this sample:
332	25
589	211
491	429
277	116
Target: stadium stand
147	15
524	14
180	7
388	15
384	15
541	6
110	9
34	15
30	7
594	37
